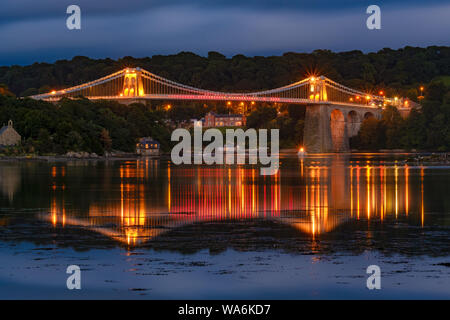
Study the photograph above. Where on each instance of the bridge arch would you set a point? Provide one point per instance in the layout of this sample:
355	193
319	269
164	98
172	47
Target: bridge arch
368	115
338	130
353	123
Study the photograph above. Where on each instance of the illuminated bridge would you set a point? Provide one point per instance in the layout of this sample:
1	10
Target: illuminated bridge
334	112
137	83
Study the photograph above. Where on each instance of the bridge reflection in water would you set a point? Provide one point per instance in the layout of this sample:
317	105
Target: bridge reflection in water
315	196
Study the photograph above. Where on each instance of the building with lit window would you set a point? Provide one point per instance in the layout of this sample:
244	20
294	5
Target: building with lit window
147	147
213	119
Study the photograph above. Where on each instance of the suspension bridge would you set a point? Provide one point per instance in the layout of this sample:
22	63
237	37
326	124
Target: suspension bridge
137	83
335	112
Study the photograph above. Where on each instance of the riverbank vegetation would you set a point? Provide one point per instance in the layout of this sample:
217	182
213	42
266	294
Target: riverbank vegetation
81	125
427	128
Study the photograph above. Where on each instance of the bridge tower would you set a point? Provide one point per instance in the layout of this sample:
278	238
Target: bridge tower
318	89
132	83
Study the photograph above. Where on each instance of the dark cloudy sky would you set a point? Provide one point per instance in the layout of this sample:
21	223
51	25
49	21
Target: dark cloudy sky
35	30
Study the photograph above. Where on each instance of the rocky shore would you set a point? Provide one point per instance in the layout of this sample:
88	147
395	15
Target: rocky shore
87	155
72	155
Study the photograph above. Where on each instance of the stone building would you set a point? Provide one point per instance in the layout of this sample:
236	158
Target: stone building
213	119
9	136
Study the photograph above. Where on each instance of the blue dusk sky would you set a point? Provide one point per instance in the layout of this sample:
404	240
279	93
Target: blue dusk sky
35	30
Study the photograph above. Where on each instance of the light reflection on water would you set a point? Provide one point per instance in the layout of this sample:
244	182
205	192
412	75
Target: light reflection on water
225	231
134	202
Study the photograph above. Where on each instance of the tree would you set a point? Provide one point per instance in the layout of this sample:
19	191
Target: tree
74	141
29	92
106	140
261	116
393	125
371	135
43	141
436	91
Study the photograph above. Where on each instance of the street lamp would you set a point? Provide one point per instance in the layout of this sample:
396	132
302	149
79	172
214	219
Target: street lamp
421	93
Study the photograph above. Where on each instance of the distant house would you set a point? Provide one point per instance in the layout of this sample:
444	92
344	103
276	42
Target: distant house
213	119
9	136
147	147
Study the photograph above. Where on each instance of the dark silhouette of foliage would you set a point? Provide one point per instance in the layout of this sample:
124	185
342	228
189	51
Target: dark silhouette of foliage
427	128
82	125
400	70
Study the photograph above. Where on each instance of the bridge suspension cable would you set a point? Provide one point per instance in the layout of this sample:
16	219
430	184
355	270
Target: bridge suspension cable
137	83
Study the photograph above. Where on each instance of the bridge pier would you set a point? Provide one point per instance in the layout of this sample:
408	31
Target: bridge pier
328	127
317	134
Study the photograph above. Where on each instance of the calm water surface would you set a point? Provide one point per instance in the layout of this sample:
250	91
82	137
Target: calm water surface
148	229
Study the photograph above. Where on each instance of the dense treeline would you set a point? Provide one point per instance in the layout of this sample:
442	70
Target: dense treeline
401	69
81	125
425	129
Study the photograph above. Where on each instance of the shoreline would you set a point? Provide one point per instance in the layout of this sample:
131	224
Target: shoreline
432	157
66	158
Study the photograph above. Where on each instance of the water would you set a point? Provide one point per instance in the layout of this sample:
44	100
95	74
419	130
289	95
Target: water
149	229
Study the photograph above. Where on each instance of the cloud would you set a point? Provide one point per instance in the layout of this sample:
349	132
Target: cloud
19	10
230	30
